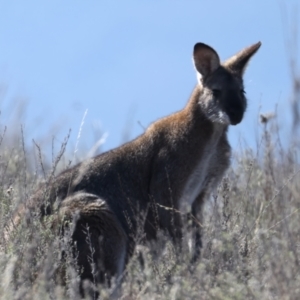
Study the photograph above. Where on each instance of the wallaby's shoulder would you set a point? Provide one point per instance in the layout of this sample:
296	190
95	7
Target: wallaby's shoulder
177	127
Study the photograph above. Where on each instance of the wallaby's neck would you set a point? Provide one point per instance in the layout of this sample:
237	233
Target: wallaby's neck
193	103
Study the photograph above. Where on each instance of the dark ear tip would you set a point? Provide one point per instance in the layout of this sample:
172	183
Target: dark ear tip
198	46
201	46
257	45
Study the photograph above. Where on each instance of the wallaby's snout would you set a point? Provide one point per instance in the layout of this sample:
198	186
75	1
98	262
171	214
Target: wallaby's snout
235	106
235	115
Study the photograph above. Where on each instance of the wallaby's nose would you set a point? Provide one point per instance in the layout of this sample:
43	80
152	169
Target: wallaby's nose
235	115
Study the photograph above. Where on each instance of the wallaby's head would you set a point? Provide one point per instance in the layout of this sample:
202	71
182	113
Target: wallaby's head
222	91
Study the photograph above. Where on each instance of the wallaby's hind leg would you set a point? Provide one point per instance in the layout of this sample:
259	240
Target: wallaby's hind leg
100	243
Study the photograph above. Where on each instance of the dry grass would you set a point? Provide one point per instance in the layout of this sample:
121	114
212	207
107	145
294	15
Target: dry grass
251	236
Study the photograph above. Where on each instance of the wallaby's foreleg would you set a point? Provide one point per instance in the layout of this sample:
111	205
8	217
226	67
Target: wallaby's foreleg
197	211
171	222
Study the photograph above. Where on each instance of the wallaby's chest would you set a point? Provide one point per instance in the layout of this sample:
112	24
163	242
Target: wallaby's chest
203	173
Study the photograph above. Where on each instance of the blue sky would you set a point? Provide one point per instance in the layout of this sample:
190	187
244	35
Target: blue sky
128	63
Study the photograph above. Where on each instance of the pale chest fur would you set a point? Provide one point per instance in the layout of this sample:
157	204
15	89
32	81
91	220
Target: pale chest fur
207	172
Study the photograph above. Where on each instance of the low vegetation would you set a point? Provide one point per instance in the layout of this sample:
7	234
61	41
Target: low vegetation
251	235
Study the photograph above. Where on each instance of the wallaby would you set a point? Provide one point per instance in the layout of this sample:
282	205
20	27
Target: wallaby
149	183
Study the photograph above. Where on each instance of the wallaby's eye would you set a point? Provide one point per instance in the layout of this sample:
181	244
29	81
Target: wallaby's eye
216	92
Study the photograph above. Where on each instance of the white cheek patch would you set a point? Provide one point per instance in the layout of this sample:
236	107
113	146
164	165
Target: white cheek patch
224	118
199	77
213	112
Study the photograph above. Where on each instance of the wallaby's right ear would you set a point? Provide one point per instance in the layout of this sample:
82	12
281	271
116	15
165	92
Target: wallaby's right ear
206	59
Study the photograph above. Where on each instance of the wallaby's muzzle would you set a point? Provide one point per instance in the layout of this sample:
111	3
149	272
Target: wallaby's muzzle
234	106
235	115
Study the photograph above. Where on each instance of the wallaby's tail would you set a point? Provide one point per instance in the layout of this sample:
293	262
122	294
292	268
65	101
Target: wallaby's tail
100	242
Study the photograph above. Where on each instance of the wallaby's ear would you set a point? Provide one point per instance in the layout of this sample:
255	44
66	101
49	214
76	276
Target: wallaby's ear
206	59
238	62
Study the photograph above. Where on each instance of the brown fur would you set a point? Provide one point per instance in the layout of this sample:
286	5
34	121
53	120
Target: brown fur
146	184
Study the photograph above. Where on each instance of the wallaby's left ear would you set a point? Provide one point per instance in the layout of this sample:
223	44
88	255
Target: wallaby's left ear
206	59
238	62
